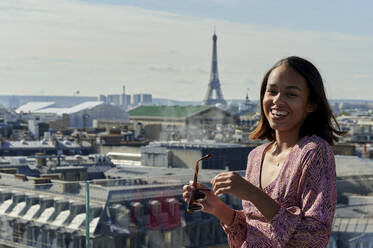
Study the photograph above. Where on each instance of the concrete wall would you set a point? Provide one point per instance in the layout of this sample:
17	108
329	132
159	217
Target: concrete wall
183	158
155	157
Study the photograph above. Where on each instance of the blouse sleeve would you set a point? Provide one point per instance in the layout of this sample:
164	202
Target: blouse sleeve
237	231
309	225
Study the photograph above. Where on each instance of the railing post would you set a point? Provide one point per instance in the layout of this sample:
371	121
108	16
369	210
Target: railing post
87	220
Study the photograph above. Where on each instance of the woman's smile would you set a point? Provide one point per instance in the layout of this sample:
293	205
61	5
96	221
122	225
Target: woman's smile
277	114
285	101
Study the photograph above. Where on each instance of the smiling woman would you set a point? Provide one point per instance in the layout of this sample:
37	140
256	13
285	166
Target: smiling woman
289	190
286	100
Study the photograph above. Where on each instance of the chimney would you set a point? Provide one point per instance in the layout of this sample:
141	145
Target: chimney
364	152
40	159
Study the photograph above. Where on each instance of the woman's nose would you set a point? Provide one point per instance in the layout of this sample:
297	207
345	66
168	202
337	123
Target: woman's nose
277	98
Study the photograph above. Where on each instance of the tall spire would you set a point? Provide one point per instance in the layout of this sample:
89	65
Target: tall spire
214	84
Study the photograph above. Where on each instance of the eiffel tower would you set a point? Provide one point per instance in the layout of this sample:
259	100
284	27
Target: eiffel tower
214	84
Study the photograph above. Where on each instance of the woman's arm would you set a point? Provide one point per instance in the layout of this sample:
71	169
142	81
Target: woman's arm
305	224
233	221
232	183
212	205
224	213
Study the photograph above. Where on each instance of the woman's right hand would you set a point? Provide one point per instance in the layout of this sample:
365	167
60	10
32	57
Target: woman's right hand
210	204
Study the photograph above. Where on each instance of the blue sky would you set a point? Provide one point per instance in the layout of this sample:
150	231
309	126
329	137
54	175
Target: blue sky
55	47
343	16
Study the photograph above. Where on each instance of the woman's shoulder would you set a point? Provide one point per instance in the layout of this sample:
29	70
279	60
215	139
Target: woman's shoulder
259	148
314	144
257	152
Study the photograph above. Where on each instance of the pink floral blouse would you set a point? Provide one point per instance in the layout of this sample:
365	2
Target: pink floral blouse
306	191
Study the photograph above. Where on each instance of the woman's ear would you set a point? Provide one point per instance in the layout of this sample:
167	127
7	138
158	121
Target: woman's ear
311	107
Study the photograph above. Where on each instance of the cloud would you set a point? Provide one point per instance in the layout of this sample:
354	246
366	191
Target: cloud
183	81
162	68
199	69
99	47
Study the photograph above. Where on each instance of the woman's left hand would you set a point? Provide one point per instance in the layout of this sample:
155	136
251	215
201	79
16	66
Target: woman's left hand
231	183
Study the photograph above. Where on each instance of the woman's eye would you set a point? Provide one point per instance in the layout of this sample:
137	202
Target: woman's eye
292	95
272	92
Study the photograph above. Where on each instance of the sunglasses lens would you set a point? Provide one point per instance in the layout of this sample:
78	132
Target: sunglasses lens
201	198
195	207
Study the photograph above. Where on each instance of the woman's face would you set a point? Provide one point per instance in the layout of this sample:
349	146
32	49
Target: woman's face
285	101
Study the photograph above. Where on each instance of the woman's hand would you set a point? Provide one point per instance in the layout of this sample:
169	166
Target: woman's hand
210	204
233	184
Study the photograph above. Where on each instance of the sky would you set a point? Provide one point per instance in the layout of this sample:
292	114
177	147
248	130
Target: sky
164	47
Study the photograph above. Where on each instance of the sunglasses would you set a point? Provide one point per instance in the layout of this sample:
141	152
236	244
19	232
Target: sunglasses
197	196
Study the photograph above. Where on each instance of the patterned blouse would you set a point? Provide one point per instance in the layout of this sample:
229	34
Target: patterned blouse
306	191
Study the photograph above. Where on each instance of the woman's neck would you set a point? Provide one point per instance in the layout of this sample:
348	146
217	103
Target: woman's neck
285	142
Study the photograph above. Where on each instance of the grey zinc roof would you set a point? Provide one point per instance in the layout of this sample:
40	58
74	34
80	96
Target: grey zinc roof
42	144
82	106
33	106
74	109
173	174
353	166
355	218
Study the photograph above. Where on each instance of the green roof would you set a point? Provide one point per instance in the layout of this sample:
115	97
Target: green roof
166	111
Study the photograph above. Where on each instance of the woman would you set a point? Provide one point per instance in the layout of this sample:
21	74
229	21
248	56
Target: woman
289	191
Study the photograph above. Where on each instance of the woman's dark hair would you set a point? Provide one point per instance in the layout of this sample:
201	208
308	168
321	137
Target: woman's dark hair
320	122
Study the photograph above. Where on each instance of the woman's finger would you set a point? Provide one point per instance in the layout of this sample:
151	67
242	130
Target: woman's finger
187	188
222	190
186	195
222	184
220	177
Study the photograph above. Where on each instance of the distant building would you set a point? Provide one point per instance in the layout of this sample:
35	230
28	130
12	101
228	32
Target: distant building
32	107
108	124
180	122
37	128
113	99
62	123
136	99
28	148
102	98
67	168
13	102
78	116
146	98
84	116
128	100
60	101
139	99
121	100
184	154
7	119
247	106
359	127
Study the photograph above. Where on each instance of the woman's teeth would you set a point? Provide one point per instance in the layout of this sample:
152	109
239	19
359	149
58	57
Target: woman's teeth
279	113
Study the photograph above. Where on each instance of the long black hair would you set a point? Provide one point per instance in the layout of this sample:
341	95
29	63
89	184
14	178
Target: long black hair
320	122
